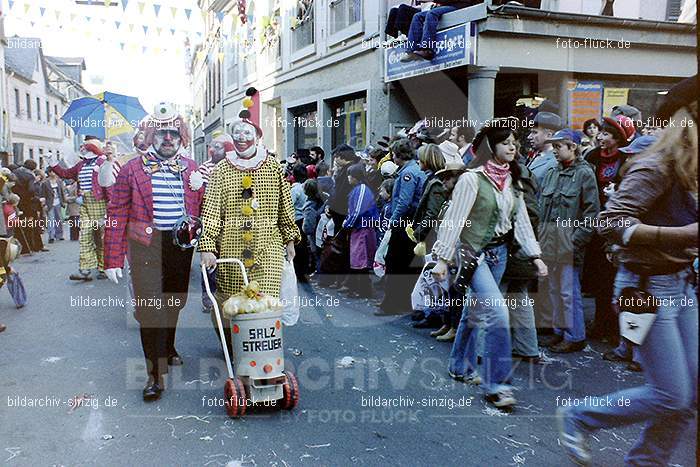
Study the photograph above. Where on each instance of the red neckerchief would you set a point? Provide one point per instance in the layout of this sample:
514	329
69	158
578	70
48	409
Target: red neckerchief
497	173
608	155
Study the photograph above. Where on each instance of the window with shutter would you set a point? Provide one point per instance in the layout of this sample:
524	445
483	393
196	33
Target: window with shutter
673	10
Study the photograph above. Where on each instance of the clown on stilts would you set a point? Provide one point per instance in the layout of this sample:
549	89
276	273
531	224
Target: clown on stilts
247	214
92	210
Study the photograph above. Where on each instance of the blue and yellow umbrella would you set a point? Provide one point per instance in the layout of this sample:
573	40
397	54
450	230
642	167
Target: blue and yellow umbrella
104	115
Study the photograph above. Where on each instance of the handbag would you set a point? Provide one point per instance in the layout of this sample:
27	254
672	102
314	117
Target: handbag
289	294
637	312
466	261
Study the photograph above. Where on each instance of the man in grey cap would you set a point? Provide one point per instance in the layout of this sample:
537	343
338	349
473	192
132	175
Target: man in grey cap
541	156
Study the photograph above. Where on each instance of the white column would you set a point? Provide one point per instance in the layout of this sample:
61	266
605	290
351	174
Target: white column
482	91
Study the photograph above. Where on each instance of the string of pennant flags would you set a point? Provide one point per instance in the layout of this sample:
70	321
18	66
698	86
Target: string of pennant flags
42	16
27	6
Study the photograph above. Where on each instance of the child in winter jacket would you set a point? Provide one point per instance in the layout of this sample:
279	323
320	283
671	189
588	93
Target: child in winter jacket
362	220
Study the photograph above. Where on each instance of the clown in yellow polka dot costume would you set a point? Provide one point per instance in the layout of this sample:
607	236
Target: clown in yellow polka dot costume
248	214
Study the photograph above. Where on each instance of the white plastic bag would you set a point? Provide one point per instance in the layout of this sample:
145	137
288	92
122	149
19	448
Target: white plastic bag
289	294
379	265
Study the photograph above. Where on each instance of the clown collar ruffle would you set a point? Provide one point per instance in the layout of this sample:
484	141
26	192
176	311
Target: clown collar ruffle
251	164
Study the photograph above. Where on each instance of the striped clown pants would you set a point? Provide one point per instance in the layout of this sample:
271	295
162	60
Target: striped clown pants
92	216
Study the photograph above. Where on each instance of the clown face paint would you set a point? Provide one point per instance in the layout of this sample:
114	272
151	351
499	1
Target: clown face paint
140	140
217	151
244	139
166	143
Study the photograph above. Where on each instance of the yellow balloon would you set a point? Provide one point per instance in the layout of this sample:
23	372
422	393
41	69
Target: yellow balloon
248	102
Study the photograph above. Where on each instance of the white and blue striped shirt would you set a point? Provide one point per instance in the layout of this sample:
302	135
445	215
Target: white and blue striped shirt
168	199
85	177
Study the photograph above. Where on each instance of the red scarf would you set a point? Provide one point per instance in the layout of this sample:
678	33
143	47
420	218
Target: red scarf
497	173
608	155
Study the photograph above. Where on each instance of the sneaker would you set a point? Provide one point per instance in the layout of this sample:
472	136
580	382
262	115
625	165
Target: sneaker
425	54
441	331
407	57
449	336
50	240
501	399
568	347
472	378
634	366
573	439
101	275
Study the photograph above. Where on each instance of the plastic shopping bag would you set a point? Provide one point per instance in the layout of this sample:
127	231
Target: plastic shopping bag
379	265
289	295
16	288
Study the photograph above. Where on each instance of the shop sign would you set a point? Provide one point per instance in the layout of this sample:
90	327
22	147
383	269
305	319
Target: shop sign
454	47
585	101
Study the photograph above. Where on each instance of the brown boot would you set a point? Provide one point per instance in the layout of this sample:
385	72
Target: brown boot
449	336
441	331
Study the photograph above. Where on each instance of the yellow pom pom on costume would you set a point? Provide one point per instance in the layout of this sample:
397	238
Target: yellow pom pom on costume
248	103
247	211
248	237
247	181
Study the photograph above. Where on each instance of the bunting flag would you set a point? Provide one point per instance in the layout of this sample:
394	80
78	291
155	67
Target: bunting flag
58	15
143	49
188	12
173	11
221	56
121	45
172	31
220	16
124	4
142	5
131	27
145	30
11	2
26	8
88	18
42	10
156	8
31	23
117	24
158	30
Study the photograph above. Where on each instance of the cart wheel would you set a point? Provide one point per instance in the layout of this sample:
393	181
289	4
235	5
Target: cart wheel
290	392
235	398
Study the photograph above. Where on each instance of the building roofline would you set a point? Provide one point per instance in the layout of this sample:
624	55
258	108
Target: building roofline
521	11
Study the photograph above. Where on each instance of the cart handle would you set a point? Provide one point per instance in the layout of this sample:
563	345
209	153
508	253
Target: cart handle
217	313
240	263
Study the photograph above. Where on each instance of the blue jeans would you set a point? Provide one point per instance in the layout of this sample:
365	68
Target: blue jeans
490	310
669	357
567	303
55	223
421	34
